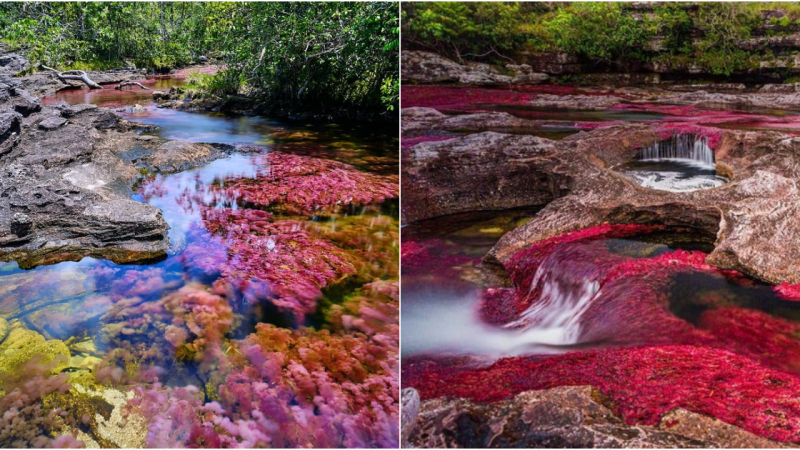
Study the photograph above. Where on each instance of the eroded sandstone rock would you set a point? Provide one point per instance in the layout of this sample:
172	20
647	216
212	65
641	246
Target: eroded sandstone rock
566	417
430	68
756	217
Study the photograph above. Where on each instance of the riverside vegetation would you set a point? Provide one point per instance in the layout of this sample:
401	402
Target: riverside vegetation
325	57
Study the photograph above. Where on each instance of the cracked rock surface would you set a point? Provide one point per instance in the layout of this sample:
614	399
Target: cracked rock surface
756	217
66	182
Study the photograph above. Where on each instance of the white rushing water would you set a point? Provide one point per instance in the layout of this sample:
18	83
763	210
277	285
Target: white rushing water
447	323
681	146
683	163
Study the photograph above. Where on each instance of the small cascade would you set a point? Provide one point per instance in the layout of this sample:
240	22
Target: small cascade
683	163
680	146
563	288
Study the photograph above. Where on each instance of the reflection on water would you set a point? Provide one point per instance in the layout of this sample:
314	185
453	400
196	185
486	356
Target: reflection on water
113	98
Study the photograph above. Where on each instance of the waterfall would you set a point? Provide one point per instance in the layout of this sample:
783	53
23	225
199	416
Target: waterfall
681	146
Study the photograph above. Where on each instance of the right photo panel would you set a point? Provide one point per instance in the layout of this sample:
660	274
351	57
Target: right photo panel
600	224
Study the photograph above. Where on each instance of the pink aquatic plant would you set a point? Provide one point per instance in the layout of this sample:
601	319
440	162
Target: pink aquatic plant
299	185
293	388
24	420
293	263
643	384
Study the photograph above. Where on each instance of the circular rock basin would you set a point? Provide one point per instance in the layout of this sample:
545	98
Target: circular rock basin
673	174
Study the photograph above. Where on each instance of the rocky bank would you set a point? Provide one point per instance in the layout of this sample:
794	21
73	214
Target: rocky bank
66	178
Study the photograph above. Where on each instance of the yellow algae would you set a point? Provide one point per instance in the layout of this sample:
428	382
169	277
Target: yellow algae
492	230
21	345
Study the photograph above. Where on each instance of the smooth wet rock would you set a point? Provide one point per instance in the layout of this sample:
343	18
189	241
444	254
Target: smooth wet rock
160	95
564	417
21	345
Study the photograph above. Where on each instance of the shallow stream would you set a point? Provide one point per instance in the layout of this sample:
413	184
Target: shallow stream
237	265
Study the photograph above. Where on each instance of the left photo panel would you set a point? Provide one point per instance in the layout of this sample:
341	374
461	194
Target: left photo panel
199	224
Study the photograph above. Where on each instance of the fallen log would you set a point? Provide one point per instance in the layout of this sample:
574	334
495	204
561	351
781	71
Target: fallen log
131	83
77	75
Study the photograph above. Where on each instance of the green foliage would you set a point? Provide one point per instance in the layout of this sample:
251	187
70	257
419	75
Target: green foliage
599	31
673	22
707	35
465	29
320	55
106	34
314	54
723	26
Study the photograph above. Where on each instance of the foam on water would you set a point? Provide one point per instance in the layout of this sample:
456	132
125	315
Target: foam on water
683	163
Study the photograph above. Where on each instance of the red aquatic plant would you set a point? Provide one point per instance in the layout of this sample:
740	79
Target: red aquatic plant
643	384
277	261
460	98
299	185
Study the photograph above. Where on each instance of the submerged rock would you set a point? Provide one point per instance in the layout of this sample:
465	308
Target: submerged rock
21	345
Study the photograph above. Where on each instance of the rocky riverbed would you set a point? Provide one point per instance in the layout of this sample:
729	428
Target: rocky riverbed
612	236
